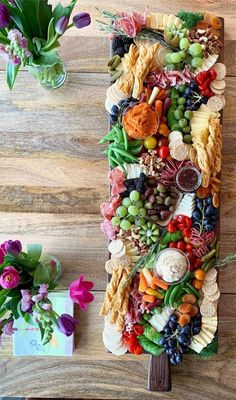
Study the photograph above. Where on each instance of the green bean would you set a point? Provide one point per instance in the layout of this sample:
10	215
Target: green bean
125	139
125	154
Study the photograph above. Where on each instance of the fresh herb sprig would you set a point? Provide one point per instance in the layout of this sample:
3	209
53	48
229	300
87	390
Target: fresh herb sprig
190	19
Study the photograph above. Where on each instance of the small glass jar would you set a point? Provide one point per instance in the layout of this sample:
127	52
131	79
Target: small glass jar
49	77
188	179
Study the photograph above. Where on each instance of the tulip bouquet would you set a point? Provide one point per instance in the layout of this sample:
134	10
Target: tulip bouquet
30	32
26	278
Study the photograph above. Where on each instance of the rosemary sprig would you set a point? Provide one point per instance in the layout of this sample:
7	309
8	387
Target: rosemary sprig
153	35
230	258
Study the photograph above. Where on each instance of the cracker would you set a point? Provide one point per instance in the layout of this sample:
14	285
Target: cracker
209	288
120	262
213	297
215	103
211	275
218	85
116	246
208	309
221	71
180	153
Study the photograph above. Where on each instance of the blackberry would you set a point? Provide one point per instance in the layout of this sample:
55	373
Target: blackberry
128	183
126	40
119	52
142	177
116	43
140	187
126	48
125	194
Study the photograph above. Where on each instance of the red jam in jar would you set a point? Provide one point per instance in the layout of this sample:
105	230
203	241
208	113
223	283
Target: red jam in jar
188	179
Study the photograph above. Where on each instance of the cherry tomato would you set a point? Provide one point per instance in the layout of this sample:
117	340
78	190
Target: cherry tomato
171	227
181	245
191	257
188	222
187	232
138	329
150	143
164	152
180	218
189	247
198	263
172	245
163	141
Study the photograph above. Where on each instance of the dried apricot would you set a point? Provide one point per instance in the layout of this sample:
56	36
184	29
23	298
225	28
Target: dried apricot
216	22
202	192
197	284
189	298
207	18
185	308
199	274
194	311
202	25
177	314
184	319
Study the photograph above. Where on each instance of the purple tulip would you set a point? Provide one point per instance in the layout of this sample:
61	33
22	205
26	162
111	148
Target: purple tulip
66	324
4	16
13	247
81	20
61	25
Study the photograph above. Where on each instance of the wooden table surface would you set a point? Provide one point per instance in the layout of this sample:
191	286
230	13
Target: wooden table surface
52	181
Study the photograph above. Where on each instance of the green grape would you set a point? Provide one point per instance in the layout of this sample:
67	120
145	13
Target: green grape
126	202
121	211
142	212
182	88
181	100
183	123
131	218
175	58
196	62
115	221
175	127
167	58
188	114
195	49
138	203
133	210
187	139
184	44
178	114
125	225
170	67
134	195
186	129
181	108
139	221
183	54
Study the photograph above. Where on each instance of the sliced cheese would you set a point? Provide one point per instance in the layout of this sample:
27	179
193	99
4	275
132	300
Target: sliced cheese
196	346
208	336
207	63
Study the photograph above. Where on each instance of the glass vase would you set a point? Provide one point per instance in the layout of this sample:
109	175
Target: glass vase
49	77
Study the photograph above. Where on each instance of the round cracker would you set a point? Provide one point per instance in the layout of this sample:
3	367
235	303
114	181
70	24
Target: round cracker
218	85
120	262
180	152
207	309
116	246
210	288
215	103
211	275
175	136
213	297
219	92
221	71
108	267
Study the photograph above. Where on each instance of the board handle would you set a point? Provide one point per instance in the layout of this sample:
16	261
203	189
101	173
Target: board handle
159	377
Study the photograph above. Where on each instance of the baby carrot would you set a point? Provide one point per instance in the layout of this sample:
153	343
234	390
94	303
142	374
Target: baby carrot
149	299
161	93
158	107
163	129
160	283
142	283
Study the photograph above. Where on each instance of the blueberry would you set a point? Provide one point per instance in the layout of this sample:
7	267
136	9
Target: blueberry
187	330
161	341
173	359
210	210
166	346
193	85
167	329
182	338
199	203
172	342
208	200
112	119
189	102
188	91
114	110
173	318
183	347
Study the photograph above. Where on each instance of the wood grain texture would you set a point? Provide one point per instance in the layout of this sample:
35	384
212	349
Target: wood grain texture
91	373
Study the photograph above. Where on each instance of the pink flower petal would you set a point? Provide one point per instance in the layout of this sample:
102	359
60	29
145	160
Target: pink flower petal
88	285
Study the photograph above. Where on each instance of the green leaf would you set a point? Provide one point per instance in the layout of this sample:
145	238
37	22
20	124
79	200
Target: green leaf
41	275
12	305
60	11
29	319
149	346
11	74
3	39
54	269
39	43
34	251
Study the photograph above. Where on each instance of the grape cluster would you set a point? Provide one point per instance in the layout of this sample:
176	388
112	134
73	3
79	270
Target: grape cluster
179	114
191	54
114	114
120	45
176	339
193	98
131	211
205	214
121	109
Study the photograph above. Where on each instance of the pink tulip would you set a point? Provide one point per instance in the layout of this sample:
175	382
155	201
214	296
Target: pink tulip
10	278
79	292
